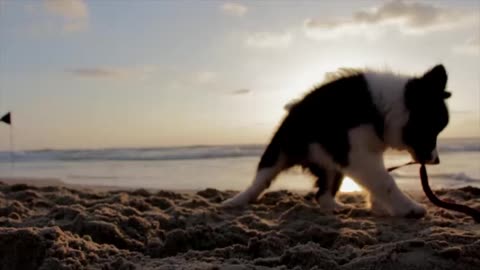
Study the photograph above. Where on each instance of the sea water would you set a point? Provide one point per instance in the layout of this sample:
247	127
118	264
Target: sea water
221	167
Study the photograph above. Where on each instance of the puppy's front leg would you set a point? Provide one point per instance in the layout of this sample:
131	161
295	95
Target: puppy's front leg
369	171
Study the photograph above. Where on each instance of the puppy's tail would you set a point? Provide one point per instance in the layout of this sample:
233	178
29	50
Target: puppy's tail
271	155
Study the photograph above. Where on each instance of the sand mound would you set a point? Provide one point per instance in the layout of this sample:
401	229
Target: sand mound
64	228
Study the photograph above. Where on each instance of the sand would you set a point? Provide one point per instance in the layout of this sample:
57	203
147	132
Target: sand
60	227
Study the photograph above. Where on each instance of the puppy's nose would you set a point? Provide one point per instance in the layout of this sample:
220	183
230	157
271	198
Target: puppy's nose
434	159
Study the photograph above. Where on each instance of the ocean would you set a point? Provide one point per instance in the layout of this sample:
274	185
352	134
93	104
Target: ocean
221	167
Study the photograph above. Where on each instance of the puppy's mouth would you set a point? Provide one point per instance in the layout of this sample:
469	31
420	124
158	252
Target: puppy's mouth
429	159
433	161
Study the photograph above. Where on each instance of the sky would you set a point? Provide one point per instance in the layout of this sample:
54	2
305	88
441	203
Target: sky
100	74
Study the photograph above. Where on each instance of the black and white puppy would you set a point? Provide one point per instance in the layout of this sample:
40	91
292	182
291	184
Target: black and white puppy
344	126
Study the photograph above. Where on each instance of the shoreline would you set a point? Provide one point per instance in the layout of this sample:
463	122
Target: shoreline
43	182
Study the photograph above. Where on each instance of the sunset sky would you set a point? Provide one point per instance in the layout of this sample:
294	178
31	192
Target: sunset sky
94	74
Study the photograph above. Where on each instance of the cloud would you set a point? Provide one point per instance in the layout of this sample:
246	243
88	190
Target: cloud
94	72
408	17
204	77
113	72
181	79
71	9
242	91
470	47
234	9
269	40
74	13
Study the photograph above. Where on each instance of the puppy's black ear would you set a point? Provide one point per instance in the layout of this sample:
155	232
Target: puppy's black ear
436	77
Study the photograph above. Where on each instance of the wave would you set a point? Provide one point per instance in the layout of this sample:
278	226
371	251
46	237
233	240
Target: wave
460	176
140	154
183	153
459	148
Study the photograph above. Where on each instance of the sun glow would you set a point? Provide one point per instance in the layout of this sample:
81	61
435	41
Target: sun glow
348	185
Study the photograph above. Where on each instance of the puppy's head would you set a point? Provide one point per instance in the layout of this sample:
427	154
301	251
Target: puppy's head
428	114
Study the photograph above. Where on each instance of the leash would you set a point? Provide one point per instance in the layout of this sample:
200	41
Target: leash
474	213
399	166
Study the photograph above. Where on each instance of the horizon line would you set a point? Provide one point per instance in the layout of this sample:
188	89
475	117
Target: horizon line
169	146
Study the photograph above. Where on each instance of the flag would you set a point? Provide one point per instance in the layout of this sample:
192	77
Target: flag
7	119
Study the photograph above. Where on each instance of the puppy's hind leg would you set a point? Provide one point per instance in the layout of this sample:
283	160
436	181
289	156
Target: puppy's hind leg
271	164
328	176
328	183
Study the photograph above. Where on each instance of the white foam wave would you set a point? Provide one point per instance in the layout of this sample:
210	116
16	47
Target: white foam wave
173	153
183	153
460	176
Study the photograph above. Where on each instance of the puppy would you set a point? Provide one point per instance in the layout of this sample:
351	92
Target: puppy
344	126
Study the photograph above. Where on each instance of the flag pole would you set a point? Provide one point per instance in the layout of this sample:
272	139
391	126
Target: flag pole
12	148
7	119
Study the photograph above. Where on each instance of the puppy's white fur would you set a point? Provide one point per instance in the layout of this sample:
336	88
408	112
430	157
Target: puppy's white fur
366	167
387	91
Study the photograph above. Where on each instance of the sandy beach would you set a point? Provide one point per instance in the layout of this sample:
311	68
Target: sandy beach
124	125
61	227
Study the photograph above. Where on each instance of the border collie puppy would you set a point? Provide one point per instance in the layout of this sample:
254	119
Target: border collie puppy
344	126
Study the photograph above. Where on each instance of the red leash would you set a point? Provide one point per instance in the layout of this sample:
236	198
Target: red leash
474	213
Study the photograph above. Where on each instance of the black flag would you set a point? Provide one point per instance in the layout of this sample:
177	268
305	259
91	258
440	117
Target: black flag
7	118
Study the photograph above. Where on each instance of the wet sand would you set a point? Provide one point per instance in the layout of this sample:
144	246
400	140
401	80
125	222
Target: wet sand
62	227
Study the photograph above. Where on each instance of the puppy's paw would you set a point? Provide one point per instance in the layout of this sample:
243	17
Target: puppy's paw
339	207
239	200
328	204
417	211
411	210
378	210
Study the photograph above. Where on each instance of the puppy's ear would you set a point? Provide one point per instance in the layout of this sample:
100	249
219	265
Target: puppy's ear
436	78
